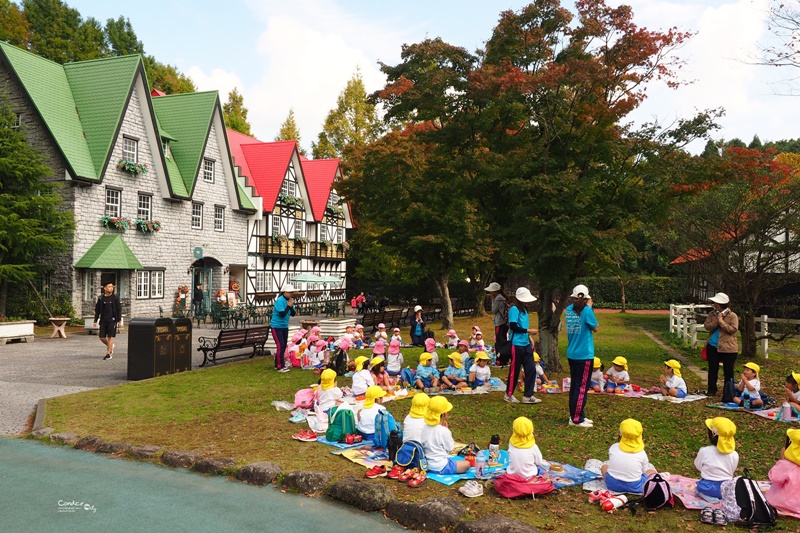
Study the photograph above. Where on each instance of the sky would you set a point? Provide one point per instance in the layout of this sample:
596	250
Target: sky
300	54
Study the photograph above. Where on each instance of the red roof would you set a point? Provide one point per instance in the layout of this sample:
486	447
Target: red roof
156	92
691	256
268	163
236	140
319	174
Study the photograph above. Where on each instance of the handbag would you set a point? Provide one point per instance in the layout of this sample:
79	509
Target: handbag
704	353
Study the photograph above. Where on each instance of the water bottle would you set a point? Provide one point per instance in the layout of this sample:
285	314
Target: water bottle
494	449
786	411
480	465
746	397
615	502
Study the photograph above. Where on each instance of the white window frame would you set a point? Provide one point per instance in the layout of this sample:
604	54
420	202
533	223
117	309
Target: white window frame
17	121
142	284
88	280
156	284
208	170
339	235
219	218
276	225
197	219
113	207
298	228
262	276
144	212
128	153
165	147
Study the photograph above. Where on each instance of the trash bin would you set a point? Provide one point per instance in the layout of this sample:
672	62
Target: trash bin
149	348
182	344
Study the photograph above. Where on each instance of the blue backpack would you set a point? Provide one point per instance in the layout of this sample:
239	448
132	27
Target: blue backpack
384	425
412	455
409	376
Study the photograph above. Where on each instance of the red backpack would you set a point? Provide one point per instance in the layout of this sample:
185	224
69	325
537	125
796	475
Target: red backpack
516	486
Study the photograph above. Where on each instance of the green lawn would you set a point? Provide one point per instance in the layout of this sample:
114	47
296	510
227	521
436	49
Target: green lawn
226	412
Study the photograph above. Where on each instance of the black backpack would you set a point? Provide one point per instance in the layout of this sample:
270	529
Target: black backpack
728	391
339	362
755	509
395	441
656	493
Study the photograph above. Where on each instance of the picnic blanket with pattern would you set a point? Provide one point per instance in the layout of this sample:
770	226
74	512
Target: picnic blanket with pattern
685	489
672	399
769	414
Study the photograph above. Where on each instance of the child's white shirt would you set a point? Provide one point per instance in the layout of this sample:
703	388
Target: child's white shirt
796	395
715	465
621	375
412	428
315	357
394	362
435	360
597	377
481	373
625	466
366	418
479	345
452	342
438	443
361	381
397	337
464	357
539	370
380	335
328	398
349	336
524	461
755	382
676	382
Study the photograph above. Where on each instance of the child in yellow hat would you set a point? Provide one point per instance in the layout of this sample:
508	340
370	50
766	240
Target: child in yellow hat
437	440
784	494
541	377
793	389
751	384
414	421
325	396
717	462
627	467
427	374
524	457
455	375
362	378
379	374
597	382
617	376
479	372
672	384
366	415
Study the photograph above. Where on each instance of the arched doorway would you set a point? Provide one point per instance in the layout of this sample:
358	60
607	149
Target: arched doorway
206	271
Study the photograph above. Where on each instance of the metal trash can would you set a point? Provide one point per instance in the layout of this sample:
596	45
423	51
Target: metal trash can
181	344
149	348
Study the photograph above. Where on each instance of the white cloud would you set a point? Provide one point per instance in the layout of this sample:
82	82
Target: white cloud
219	80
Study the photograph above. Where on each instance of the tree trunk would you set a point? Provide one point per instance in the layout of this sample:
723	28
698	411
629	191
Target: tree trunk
549	322
747	328
622	284
3	297
443	288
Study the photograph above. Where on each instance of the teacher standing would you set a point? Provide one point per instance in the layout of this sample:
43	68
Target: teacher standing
500	312
521	347
581	326
279	324
418	327
722	346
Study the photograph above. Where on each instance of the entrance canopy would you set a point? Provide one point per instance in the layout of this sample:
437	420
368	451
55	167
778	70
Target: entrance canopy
109	253
206	262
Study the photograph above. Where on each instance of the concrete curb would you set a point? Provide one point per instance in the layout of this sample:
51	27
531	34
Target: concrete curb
41	411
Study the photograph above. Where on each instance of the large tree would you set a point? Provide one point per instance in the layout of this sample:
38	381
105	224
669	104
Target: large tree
14	27
121	37
289	130
167	78
236	112
60	34
32	227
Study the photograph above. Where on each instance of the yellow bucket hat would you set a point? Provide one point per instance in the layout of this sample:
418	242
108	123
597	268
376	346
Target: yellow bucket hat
621	361
455	357
419	404
522	436
597	362
754	367
438	406
675	366
377	360
481	355
424	358
373	391
360	360
792	453
536	357
327	379
725	429
631	440
796	376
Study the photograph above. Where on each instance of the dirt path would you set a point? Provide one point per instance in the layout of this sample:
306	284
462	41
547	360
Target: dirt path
677	355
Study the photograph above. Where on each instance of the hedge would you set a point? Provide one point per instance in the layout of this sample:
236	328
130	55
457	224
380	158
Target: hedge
645	292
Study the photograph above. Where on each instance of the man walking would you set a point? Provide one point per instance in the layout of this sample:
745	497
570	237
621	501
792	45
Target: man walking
107	314
581	324
197	299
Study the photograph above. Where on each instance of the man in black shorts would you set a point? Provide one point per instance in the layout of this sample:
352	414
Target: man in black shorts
108	313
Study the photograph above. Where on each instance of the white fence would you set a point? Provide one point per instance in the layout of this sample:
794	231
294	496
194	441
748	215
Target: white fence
683	322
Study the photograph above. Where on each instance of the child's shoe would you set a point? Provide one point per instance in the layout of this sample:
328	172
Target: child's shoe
620	391
417	480
395	472
718	518
707	515
407	475
376	471
597	496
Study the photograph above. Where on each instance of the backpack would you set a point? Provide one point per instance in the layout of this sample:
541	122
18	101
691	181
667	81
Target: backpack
394	444
338	362
728	391
409	376
411	455
384	426
516	486
304	398
341	422
743	501
656	493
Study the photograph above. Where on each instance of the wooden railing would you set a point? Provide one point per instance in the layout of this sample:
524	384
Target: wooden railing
290	247
328	251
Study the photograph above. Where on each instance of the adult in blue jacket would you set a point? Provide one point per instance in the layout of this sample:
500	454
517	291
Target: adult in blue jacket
519	332
279	323
418	327
581	325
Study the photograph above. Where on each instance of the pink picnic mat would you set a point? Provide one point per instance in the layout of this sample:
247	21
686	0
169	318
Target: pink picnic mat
685	489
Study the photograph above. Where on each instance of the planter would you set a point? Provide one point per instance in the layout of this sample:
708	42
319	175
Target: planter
22	330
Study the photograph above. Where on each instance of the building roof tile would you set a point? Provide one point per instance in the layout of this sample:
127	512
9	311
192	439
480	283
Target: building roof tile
109	252
268	163
320	175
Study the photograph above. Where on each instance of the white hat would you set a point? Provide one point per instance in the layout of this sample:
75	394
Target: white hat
288	288
493	286
580	291
524	295
417	308
720	298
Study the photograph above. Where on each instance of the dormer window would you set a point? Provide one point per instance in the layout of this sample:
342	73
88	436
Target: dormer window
130	149
165	146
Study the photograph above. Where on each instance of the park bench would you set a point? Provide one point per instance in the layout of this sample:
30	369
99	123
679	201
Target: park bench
233	339
371	320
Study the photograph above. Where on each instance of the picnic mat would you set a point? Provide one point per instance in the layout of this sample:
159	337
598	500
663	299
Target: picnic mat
672	399
598	483
572	475
685	489
629	393
769	414
341	445
489	472
363	455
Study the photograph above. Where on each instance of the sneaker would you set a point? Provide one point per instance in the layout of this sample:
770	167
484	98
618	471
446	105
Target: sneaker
718	518
510	399
284	369
107	357
407	475
395	472
376	471
598	496
532	399
471	489
418	480
588	420
584	424
308	436
431	390
707	515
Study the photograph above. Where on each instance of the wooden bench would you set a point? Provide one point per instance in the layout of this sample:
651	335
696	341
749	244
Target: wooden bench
233	339
370	321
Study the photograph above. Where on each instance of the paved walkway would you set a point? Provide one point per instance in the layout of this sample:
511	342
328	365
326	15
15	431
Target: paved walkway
686	363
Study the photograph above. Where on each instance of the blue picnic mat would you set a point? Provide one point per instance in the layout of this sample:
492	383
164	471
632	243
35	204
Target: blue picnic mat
489	472
572	475
341	445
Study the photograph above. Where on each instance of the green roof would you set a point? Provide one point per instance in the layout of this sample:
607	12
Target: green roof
110	252
244	199
174	175
101	89
188	117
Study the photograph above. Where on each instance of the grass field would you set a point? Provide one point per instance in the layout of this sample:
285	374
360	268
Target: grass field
225	412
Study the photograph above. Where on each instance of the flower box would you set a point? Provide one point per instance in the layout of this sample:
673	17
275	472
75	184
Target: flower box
19	329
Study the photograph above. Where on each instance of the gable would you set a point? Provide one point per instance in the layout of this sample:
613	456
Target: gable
320	175
268	164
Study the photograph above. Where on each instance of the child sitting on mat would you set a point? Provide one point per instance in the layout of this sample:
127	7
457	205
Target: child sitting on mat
430	347
379	374
413	423
366	415
627	467
751	384
784	494
597	382
793	389
463	350
717	462
427	374
541	377
672	384
394	359
396	336
617	376
452	339
381	335
455	375
326	396
362	378
480	373
437	440
524	457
